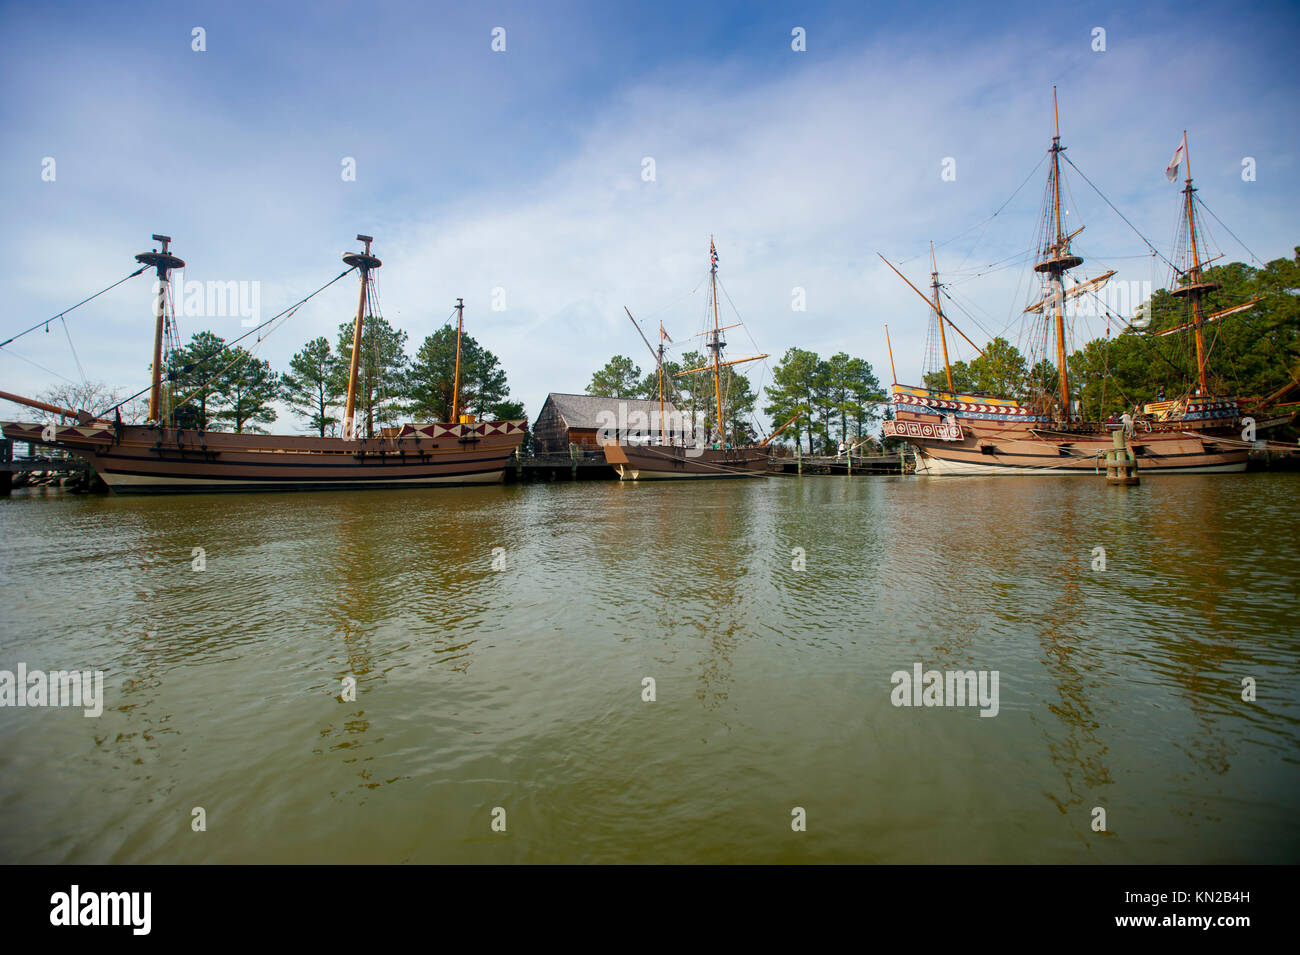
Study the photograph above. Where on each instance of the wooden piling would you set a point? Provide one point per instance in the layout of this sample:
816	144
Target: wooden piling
1121	462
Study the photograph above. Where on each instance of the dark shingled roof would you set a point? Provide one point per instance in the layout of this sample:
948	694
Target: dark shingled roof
581	411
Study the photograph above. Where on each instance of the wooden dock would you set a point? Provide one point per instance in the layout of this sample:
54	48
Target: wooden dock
1274	459
52	469
582	464
577	465
845	464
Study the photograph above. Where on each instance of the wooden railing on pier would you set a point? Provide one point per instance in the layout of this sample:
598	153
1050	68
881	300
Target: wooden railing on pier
11	464
579	464
895	463
586	464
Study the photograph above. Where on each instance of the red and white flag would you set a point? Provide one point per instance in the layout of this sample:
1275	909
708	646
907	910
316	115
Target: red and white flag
1171	171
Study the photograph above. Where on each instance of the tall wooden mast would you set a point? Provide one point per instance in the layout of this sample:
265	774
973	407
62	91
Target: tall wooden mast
364	262
942	316
716	343
658	355
163	262
660	365
1191	283
890	346
943	337
1195	287
455	384
1059	260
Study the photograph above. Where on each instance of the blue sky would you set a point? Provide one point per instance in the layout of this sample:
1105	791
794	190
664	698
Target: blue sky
478	170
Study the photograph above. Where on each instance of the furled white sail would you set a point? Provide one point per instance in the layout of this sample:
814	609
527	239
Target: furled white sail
1089	286
1213	318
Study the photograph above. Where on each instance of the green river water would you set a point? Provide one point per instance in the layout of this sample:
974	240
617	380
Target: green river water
522	687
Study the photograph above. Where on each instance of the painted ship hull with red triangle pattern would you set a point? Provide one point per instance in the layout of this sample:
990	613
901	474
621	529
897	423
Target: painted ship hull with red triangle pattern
956	434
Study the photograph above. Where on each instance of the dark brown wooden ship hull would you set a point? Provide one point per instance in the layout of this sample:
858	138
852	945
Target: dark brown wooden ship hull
143	459
668	462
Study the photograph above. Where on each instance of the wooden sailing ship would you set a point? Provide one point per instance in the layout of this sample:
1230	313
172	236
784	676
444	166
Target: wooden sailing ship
682	452
159	457
957	433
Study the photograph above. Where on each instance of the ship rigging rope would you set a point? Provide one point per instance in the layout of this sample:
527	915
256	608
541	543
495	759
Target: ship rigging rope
252	331
724	468
385	402
241	356
1201	202
1105	375
985	221
675	395
171	325
1121	215
81	371
1073	205
48	371
766	370
1010	262
78	305
1127	326
377	397
678	301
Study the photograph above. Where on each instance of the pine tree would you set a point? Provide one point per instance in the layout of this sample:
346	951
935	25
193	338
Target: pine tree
696	389
620	378
194	377
866	403
248	386
483	386
792	391
738	405
311	386
380	373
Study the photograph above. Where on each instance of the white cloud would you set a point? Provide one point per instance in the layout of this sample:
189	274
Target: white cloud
801	176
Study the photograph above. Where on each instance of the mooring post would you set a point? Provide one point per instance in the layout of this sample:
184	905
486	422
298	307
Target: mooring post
1121	461
6	475
573	461
798	458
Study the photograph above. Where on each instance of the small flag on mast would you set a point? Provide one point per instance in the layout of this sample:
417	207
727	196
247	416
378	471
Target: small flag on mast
663	334
1171	171
713	252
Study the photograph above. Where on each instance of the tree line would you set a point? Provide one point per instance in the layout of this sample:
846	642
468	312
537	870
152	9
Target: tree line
214	385
831	400
1250	354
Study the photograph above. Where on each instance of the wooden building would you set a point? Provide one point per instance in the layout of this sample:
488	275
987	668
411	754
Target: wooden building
576	419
